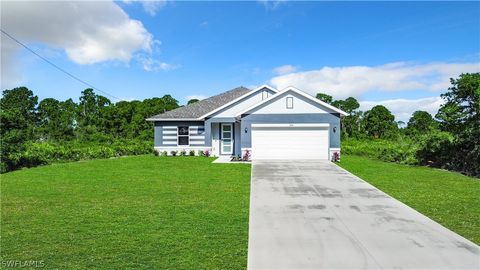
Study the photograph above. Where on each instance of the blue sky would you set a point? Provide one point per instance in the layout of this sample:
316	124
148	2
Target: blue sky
399	54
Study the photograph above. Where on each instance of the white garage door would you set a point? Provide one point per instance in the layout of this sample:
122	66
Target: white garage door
286	141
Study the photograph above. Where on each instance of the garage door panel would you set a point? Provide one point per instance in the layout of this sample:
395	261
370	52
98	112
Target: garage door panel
290	143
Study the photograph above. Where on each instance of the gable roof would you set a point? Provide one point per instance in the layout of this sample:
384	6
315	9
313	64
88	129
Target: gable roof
196	110
240	98
295	90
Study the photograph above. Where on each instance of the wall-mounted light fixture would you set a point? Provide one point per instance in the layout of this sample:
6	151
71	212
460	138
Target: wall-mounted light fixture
246	130
334	129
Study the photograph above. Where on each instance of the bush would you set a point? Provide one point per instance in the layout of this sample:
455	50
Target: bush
173	153
164	153
401	150
191	153
42	153
183	153
201	153
436	150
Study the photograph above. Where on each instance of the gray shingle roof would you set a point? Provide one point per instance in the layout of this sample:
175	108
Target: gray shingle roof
203	106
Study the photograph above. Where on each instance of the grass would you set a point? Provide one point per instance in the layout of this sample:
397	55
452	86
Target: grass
134	212
449	198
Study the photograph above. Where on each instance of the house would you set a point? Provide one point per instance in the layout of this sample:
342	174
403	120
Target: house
270	124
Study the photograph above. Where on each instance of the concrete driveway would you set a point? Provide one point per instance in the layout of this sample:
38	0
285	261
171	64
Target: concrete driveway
315	215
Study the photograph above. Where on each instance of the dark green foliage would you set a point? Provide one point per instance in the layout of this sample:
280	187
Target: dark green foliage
42	153
191	101
379	122
93	128
324	97
436	149
18	118
421	122
460	116
56	119
400	150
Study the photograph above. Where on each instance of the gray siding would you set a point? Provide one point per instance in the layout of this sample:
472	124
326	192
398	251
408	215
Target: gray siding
332	119
162	126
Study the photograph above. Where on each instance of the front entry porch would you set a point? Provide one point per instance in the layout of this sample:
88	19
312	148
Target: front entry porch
225	138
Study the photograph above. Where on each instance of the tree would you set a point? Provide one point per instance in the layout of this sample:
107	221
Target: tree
91	118
56	119
324	97
18	118
191	101
460	116
349	122
379	122
421	122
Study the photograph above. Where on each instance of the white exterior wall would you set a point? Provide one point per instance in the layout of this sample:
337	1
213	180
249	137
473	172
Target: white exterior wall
248	102
215	133
300	105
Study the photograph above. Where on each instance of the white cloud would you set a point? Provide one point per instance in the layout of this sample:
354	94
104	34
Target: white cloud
404	108
151	64
342	82
88	32
150	6
281	70
199	97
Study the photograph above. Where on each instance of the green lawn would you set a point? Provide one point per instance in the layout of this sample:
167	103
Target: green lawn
449	198
133	212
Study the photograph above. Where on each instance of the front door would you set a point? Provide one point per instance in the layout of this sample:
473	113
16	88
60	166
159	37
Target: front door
226	142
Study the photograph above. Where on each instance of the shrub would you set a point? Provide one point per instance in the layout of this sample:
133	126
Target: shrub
156	153
436	150
236	158
173	153
401	150
207	153
183	153
42	153
191	153
164	153
201	153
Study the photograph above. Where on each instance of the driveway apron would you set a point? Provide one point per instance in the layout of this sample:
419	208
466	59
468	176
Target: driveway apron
308	214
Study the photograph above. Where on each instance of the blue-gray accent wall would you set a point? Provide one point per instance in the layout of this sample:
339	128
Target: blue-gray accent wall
158	130
331	118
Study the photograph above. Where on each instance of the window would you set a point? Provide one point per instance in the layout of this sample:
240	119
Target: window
289	102
264	95
182	134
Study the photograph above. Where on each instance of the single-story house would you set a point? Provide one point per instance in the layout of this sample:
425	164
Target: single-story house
270	124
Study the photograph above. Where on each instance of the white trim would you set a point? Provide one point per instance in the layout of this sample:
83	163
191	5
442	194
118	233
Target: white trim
323	125
295	90
188	136
197	143
240	98
173	119
170	142
169	138
199	147
197	137
174	132
232	145
170	127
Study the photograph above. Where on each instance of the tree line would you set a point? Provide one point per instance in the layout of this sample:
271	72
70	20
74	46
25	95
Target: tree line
34	133
450	139
94	119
